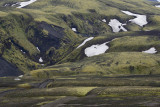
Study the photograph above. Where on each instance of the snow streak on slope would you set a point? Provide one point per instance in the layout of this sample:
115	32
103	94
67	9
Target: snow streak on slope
85	41
140	20
23	4
38	49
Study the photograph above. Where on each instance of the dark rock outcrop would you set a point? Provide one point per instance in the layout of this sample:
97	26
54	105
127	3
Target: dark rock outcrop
7	69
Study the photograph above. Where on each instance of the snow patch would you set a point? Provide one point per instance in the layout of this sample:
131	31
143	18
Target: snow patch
38	49
17	79
140	20
104	20
40	59
85	41
20	76
96	49
116	25
151	51
74	29
14	4
23	51
157	5
6	5
23	4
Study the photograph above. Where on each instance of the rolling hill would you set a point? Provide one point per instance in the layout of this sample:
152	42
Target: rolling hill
82	46
35	34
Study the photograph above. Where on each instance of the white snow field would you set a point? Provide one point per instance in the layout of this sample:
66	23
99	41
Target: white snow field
140	20
23	4
85	41
96	49
151	51
116	25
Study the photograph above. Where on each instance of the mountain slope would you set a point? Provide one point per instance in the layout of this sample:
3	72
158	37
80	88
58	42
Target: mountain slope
79	53
47	32
106	64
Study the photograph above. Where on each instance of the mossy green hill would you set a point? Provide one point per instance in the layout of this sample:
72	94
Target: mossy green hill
43	30
44	57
